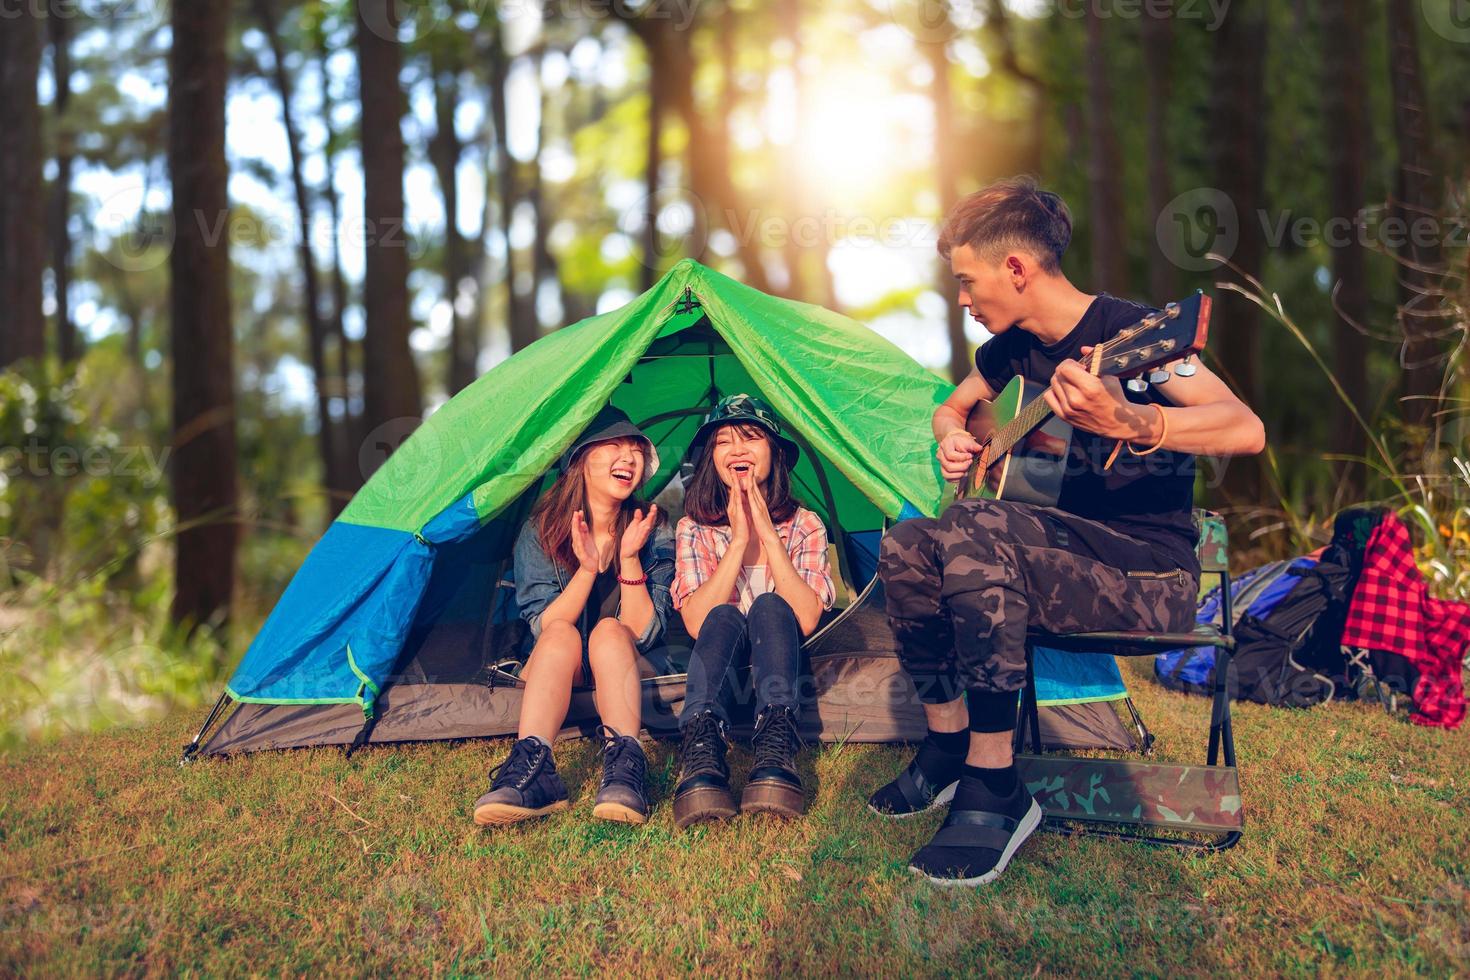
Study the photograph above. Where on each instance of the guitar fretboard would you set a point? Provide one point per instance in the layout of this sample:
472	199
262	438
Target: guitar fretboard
1016	429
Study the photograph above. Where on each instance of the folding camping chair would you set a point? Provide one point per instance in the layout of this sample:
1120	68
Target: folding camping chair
1100	796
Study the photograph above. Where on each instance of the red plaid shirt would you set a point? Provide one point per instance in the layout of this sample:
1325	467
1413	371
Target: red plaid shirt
1392	610
700	547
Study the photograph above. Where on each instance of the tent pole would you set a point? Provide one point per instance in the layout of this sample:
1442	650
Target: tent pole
192	749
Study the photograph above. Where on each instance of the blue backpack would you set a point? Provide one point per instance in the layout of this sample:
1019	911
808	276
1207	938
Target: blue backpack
1286	653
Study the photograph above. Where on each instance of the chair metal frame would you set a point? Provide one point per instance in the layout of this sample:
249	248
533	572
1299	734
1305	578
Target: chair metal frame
1222	733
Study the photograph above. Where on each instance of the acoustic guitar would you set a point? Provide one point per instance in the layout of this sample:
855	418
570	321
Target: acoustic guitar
1025	446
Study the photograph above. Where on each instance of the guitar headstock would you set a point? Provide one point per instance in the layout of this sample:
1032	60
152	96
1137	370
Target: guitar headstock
1177	330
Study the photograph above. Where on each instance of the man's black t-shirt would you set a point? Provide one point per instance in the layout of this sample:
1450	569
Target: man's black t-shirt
1147	498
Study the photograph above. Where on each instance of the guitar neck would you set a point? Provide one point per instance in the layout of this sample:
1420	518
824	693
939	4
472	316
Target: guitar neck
1029	417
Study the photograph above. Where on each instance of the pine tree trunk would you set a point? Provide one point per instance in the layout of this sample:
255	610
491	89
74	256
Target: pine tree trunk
947	184
22	220
352	429
652	171
1421	255
445	151
316	327
390	379
519	324
1345	114
708	147
68	345
1158	56
1237	126
1104	168
206	496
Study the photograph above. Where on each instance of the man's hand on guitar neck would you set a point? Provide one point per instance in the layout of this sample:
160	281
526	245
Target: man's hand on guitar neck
1205	417
1098	405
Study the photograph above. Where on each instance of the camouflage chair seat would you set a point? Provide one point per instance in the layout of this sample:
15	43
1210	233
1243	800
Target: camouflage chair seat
1121	797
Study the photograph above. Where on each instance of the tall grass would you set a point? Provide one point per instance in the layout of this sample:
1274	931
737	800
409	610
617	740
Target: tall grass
1417	472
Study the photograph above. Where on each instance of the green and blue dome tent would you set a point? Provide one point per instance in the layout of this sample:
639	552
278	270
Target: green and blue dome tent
401	624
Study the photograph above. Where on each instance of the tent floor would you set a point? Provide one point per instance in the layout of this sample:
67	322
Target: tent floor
861	698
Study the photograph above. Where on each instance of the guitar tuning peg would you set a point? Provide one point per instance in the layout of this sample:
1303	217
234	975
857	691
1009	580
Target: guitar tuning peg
1187	367
1158	376
1137	385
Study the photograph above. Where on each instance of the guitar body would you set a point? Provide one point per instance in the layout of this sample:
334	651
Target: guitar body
1031	473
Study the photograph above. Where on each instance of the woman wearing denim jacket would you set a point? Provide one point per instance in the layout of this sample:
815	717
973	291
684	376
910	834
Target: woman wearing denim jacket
593	566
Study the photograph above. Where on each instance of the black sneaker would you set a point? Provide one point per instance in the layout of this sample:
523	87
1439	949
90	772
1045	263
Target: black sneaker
525	785
973	846
623	795
703	792
928	782
774	786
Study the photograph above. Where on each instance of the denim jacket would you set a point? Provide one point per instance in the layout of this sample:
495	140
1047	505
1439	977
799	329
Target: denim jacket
539	580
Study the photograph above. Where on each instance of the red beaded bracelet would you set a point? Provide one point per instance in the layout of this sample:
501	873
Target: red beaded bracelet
632	581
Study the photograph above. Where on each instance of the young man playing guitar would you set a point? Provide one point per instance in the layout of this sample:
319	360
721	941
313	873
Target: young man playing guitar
1115	553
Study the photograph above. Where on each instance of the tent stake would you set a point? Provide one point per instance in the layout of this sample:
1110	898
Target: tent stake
192	749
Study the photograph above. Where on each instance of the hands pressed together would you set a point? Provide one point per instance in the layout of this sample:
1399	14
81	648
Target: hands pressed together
748	515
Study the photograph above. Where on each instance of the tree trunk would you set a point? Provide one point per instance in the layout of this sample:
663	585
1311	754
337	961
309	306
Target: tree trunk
543	266
1345	115
206	495
1158	54
1421	257
707	152
445	150
519	325
352	430
390	379
946	175
1238	118
68	346
22	224
1104	167
652	168
316	327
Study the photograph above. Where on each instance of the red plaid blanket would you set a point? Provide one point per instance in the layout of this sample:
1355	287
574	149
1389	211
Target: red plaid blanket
1392	610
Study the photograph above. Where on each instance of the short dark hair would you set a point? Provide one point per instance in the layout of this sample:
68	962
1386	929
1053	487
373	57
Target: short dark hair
706	497
1010	214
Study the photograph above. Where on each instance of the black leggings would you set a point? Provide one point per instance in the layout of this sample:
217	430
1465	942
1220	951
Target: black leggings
768	636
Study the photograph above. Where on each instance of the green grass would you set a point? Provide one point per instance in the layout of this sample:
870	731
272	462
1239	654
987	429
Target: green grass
115	860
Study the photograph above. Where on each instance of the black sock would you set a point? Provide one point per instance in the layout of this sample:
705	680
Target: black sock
951	743
991	712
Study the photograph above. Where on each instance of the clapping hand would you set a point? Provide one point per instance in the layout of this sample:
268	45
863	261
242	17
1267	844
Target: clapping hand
584	545
635	535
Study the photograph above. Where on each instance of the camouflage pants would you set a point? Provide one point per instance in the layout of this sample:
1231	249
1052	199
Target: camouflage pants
963	589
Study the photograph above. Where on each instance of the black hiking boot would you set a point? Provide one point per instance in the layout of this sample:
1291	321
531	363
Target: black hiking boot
623	795
774	786
703	792
525	785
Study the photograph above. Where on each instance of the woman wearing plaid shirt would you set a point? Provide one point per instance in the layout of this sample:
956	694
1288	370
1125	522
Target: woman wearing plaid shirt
751	579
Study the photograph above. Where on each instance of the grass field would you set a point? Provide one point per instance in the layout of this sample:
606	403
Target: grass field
114	860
